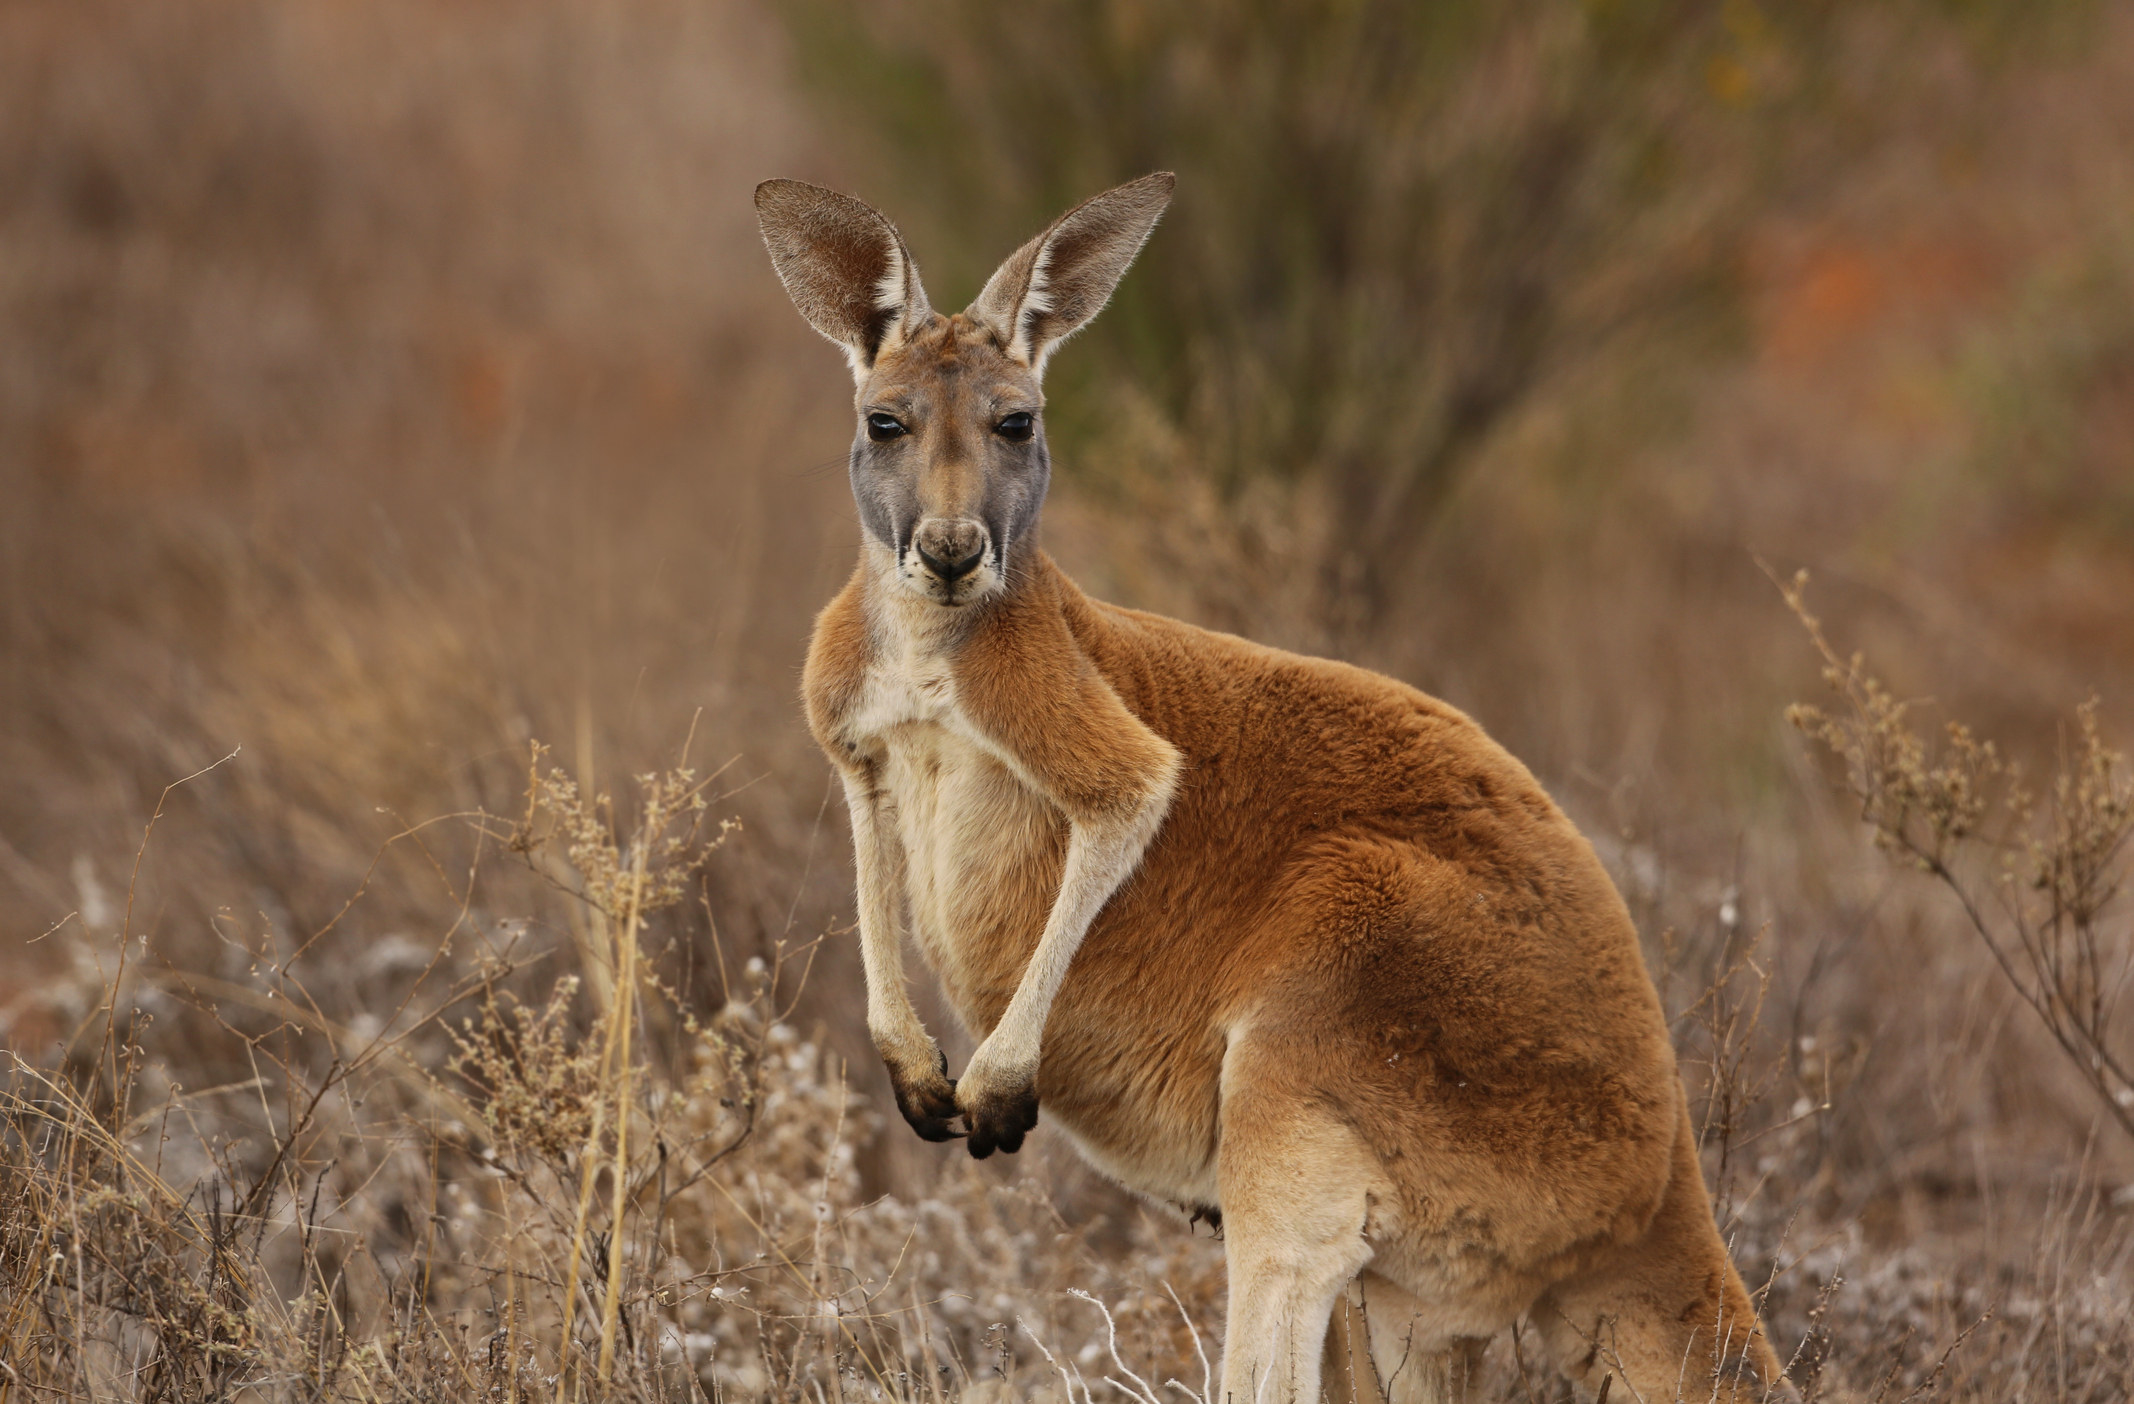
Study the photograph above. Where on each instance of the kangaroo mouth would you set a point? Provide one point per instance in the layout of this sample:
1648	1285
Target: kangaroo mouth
965	588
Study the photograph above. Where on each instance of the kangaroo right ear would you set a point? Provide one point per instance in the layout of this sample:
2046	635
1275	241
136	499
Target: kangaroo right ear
844	266
1050	287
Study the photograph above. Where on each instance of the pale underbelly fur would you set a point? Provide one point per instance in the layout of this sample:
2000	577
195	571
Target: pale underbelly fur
974	835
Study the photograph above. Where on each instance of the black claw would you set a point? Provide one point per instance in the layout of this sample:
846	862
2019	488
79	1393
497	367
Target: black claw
1001	1123
929	1106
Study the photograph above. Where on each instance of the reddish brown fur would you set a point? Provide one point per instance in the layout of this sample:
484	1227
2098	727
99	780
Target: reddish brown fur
1367	991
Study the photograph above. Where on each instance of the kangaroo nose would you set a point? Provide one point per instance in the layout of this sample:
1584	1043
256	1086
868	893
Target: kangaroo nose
950	549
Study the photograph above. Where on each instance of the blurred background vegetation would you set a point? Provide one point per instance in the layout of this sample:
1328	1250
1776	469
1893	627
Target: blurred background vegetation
1405	227
384	386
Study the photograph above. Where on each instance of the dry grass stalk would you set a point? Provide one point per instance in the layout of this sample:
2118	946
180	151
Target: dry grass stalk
2036	880
622	882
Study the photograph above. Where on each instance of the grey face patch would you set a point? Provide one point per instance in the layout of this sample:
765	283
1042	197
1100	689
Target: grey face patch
887	507
1012	513
935	477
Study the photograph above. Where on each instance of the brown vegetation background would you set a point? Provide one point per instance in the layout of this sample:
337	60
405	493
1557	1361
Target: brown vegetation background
384	388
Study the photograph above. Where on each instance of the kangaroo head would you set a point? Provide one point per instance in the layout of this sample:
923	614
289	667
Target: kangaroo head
948	463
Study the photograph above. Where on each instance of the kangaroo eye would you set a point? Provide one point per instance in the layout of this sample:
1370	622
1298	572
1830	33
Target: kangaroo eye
1016	427
883	427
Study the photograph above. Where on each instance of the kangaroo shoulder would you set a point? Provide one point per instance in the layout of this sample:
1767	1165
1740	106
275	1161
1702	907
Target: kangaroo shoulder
834	682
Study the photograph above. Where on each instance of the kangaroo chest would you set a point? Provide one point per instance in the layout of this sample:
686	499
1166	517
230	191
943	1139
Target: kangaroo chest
983	852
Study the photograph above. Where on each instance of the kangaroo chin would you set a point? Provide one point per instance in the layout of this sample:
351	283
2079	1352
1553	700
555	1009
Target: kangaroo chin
1270	936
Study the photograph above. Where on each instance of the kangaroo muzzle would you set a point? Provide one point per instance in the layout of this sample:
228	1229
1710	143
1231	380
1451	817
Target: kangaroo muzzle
951	547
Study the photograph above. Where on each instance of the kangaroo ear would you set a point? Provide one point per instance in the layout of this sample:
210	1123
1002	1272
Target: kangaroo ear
1050	287
844	266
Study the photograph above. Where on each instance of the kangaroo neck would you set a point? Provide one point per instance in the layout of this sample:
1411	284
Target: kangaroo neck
907	624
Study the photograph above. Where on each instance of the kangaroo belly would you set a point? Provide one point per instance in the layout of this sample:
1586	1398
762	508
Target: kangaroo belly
983	855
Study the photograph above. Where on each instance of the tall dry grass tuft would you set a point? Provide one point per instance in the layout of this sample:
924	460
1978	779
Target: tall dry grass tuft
2035	877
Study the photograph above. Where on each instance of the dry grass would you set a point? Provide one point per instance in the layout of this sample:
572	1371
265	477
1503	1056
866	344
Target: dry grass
544	1173
382	387
526	1184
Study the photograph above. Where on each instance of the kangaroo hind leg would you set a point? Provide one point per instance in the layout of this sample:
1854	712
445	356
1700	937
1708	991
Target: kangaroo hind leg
1667	1314
1297	1190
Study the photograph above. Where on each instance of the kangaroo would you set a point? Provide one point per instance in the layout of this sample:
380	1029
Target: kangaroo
1268	936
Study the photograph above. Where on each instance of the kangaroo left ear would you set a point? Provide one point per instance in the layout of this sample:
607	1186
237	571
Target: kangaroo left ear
1050	287
845	266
